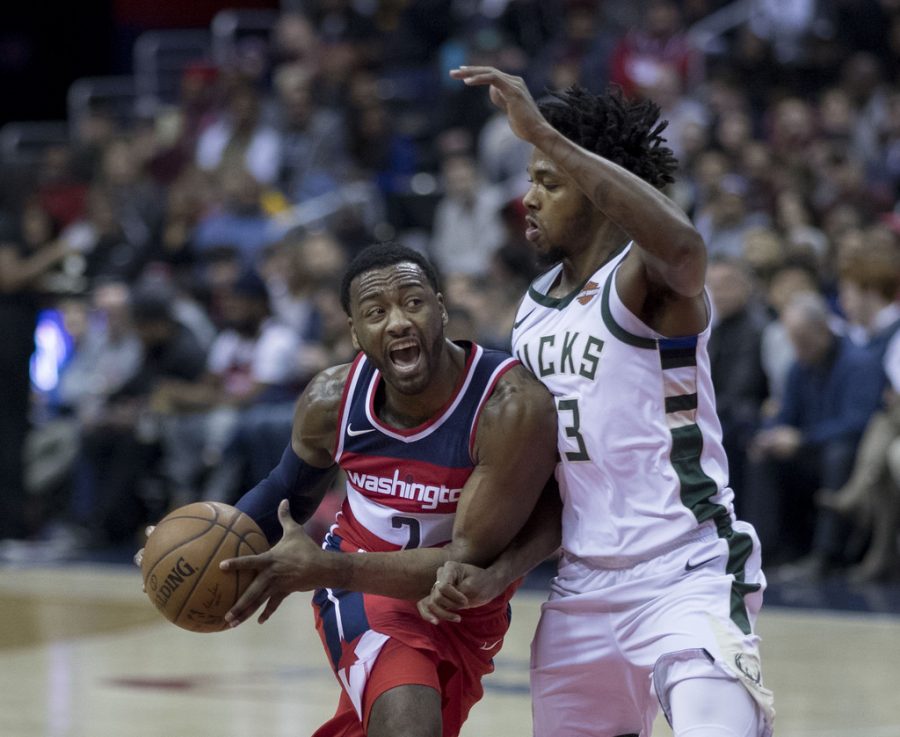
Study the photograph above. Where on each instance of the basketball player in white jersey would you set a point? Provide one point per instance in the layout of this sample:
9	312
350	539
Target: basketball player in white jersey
658	584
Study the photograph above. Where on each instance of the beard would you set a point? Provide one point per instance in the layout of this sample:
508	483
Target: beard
550	257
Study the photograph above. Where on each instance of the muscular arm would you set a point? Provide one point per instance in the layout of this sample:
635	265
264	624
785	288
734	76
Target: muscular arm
515	454
537	540
462	586
307	467
669	247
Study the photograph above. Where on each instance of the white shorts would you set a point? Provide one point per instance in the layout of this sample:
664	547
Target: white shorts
611	643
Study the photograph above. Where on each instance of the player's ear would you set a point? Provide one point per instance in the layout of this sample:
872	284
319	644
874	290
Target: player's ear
353	337
445	318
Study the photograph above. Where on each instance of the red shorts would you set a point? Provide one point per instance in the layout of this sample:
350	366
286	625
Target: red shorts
376	643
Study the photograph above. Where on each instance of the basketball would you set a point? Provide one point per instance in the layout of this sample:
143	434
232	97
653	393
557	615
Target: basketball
181	560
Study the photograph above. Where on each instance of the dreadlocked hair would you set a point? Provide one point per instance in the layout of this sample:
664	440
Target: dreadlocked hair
626	132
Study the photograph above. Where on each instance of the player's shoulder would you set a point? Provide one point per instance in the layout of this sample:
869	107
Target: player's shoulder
318	411
518	395
323	393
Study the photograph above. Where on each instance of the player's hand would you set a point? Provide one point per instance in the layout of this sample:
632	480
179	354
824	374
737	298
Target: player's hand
293	564
458	586
510	94
139	555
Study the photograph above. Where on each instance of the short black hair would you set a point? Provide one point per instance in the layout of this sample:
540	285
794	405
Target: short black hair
627	132
380	255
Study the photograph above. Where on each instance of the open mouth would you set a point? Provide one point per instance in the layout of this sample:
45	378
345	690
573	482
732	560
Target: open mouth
405	356
532	231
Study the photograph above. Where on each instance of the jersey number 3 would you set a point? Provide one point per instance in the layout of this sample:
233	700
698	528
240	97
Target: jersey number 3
573	430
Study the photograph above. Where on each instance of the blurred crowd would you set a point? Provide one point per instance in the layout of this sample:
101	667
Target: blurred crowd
192	251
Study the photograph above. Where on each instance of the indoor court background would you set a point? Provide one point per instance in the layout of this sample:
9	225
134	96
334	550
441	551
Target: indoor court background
83	653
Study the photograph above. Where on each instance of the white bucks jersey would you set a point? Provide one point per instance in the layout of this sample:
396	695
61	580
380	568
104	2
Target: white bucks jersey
641	458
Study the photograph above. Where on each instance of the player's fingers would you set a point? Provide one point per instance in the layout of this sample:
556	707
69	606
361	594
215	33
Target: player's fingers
434	613
487	75
450	572
248	603
470	71
447	595
245	562
284	515
271	605
138	559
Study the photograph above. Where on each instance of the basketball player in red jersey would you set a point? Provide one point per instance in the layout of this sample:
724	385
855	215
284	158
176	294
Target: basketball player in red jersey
446	448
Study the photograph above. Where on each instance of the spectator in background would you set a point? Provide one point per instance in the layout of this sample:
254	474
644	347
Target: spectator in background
240	139
380	152
707	170
302	274
120	442
112	244
734	355
239	220
790	131
135	198
794	218
681	110
725	220
187	201
886	161
579	52
61	193
294	40
21	272
832	390
763	252
792	277
314	157
468	227
106	355
659	40
178	127
296	268
254	360
868	290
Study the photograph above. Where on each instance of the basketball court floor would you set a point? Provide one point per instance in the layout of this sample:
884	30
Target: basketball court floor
83	653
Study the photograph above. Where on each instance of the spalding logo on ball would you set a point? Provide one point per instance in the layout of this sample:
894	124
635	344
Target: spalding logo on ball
181	563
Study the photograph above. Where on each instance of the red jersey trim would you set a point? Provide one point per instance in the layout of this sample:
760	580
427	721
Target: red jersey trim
349	384
488	390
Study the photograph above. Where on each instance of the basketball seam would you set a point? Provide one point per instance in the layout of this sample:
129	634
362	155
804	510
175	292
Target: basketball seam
165	554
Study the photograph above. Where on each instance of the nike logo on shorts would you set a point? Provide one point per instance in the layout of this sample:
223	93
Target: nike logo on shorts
492	645
691	566
353	433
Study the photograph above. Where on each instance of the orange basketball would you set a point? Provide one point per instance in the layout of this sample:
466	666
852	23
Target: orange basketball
181	563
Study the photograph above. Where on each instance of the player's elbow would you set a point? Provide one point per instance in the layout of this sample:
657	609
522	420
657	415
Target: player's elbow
687	265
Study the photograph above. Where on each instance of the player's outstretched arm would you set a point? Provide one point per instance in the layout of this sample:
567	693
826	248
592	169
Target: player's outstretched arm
515	454
307	467
670	247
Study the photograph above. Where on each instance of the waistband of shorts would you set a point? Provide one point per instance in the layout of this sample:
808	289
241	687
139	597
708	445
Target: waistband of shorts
706	531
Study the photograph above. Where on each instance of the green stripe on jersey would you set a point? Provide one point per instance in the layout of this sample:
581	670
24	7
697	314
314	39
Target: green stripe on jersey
697	490
617	330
